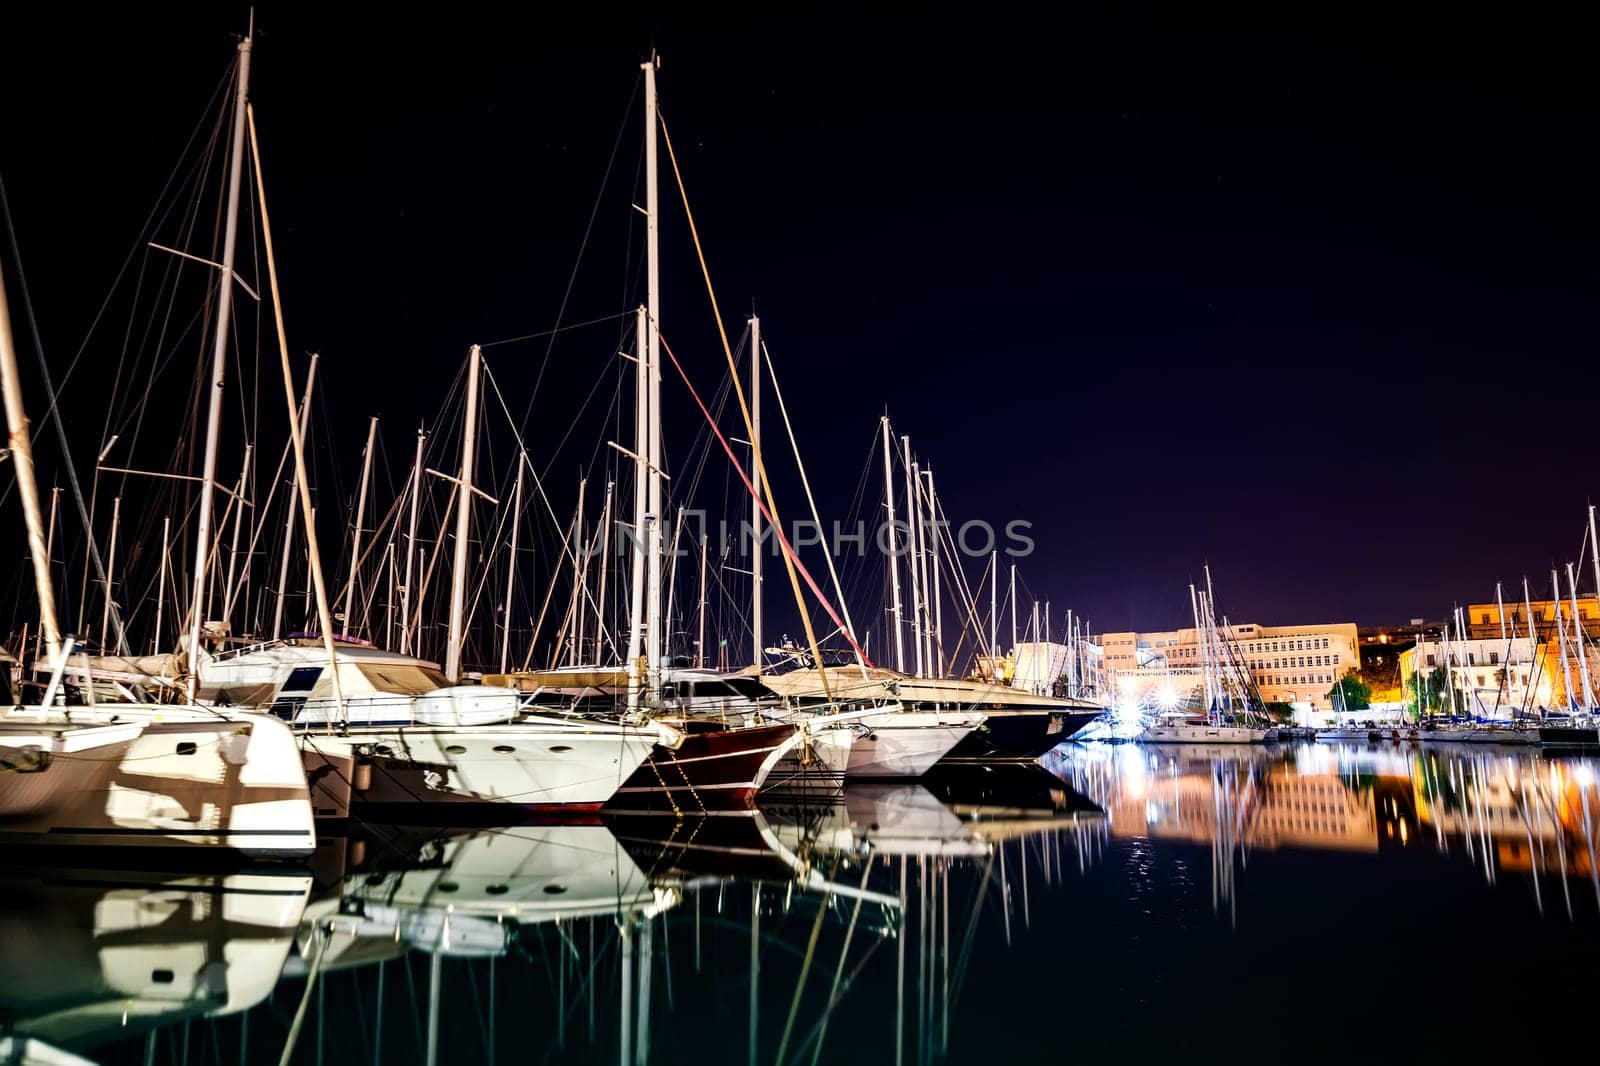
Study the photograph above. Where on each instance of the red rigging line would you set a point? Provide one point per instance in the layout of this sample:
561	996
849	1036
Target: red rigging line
776	529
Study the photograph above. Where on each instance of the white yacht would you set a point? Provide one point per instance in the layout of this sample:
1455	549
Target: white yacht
400	734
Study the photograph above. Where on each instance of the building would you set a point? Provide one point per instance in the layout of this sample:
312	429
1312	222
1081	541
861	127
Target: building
1492	678
1289	664
1483	619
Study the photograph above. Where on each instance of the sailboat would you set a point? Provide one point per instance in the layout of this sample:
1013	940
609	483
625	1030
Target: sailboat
1226	685
181	779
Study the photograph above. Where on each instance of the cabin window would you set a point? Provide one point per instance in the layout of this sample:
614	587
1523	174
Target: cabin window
302	679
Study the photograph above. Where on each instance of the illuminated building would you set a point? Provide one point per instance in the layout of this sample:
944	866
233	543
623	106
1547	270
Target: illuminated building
1289	664
1483	619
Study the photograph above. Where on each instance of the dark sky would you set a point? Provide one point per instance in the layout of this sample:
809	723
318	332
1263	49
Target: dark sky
1312	303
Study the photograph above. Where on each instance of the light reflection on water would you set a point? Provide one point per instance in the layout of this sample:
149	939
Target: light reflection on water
1511	812
966	918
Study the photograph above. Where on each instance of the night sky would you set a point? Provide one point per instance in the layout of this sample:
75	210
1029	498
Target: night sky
1313	304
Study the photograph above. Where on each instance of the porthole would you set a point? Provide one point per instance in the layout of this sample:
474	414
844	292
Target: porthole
449	886
161	977
555	890
504	749
187	747
497	890
455	749
560	747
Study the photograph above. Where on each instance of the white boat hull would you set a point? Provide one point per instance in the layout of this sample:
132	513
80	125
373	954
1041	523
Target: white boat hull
1202	734
906	744
530	767
170	778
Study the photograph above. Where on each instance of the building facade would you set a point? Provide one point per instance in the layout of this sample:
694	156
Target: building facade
1483	619
1497	679
1289	664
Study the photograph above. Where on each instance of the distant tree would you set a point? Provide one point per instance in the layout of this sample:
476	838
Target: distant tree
1279	712
1350	694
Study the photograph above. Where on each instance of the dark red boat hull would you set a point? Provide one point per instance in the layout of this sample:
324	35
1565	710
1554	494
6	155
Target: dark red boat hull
715	769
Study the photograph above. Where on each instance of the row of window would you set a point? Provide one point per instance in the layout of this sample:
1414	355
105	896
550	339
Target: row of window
1472	659
1256	647
1294	679
1294	661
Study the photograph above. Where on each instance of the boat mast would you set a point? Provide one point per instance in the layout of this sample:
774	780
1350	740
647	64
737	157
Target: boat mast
22	457
219	364
1533	637
1194	609
296	440
233	547
1013	611
894	555
653	300
161	582
361	516
937	635
1561	640
1577	641
294	512
111	567
511	568
1594	553
580	579
640	491
605	554
994	614
757	647
913	523
458	572
700	638
411	546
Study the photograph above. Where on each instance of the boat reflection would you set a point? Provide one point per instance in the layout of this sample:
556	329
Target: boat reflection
823	927
91	957
1504	811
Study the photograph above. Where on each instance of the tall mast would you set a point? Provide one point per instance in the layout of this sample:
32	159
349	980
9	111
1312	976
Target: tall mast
605	555
458	573
757	646
994	614
653	301
1561	640
1013	608
700	636
361	516
511	567
111	566
913	521
641	434
1577	641
294	512
219	365
161	583
894	556
1533	638
1594	553
233	547
937	635
296	440
580	579
22	457
411	546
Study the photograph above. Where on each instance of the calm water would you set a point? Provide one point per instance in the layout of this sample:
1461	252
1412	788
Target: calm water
1315	902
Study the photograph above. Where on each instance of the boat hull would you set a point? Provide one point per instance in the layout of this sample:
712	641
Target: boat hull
906	744
492	770
713	769
211	789
1020	734
1202	734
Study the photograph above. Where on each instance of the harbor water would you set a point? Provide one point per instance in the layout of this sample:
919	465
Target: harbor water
1116	903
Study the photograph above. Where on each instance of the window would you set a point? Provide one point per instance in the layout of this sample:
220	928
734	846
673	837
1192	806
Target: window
1484	618
1431	661
301	679
1494	658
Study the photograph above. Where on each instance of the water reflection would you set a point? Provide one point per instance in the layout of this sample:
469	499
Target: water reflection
1506	812
803	933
